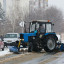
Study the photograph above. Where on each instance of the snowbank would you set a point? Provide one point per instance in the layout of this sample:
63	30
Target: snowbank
6	51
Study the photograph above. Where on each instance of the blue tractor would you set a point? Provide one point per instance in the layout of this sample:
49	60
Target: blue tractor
40	36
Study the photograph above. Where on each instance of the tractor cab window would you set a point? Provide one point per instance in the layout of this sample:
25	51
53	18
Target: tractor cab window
48	28
42	28
37	26
32	27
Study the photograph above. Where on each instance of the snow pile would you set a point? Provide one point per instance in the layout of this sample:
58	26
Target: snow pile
59	37
62	41
6	51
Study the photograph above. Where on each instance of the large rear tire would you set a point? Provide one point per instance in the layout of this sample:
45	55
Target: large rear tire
50	44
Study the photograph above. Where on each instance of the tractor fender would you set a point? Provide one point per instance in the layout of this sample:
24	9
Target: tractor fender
51	34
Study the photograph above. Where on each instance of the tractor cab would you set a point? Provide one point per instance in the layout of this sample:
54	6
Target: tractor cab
42	26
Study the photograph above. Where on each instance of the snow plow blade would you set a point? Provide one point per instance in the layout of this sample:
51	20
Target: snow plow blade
13	49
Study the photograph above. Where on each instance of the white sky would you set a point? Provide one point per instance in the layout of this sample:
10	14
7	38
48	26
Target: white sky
58	3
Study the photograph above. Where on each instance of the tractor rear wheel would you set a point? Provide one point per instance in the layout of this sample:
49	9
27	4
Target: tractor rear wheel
50	44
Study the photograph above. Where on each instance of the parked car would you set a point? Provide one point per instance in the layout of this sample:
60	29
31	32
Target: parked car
1	45
11	38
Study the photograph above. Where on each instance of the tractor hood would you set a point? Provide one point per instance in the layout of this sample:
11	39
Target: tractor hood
25	36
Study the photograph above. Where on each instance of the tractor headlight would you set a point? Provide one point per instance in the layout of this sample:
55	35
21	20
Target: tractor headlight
22	39
40	36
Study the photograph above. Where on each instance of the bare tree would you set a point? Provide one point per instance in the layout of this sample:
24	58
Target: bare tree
36	10
15	16
2	14
55	16
2	18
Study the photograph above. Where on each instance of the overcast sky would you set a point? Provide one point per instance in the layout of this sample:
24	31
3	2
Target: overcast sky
58	3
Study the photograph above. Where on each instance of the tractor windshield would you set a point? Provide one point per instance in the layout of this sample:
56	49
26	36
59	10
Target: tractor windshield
42	28
32	27
37	26
48	28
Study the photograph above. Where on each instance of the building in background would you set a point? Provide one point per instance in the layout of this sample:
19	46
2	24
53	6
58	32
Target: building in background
25	5
10	5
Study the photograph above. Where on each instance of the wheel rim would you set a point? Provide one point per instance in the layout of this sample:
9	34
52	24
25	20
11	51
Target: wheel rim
51	44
